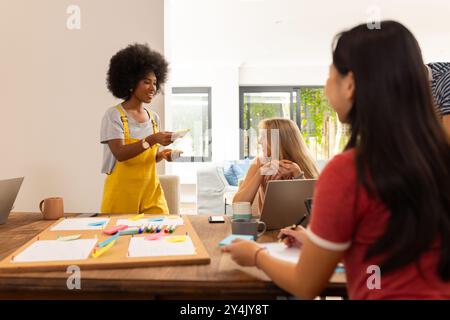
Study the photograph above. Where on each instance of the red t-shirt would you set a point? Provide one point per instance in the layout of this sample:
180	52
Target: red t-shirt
343	220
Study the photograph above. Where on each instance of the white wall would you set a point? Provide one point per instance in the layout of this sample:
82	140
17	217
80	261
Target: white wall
296	32
54	92
228	43
224	82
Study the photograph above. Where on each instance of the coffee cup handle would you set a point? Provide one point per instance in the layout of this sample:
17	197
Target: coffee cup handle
264	230
40	206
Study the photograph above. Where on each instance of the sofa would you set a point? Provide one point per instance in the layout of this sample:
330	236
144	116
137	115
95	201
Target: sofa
214	181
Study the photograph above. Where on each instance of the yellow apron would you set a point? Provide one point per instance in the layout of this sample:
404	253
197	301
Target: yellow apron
133	186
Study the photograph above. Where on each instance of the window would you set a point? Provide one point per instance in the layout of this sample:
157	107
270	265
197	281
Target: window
307	106
191	109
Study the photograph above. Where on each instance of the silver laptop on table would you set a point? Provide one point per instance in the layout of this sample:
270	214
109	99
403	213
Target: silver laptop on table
8	194
284	204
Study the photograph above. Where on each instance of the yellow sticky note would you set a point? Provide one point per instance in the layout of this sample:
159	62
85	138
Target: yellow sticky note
137	217
176	239
98	252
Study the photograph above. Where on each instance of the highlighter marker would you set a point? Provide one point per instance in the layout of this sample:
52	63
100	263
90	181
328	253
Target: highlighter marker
99	251
107	241
129	231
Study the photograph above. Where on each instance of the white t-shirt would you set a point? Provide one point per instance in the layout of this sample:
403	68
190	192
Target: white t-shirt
112	128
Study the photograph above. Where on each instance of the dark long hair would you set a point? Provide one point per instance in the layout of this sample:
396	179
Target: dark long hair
402	152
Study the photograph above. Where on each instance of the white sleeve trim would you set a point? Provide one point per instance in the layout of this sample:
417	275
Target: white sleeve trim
326	244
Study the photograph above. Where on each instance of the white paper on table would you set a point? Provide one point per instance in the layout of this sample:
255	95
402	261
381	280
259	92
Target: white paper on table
139	247
280	251
55	250
80	224
145	222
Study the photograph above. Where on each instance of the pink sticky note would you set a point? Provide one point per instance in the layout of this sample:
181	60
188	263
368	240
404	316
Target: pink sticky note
154	236
116	229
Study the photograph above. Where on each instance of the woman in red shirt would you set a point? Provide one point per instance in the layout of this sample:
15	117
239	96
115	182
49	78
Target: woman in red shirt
383	205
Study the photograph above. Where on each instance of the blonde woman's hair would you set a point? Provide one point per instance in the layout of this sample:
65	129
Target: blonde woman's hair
292	145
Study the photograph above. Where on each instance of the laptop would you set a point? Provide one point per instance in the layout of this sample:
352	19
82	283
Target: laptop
8	193
284	204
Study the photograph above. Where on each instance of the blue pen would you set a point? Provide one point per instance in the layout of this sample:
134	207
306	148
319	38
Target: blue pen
107	241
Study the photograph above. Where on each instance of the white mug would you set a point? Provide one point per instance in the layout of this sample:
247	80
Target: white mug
242	210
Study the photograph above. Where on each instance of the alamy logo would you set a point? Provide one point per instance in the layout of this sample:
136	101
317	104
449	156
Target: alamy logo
374	280
273	165
74	280
74	19
373	18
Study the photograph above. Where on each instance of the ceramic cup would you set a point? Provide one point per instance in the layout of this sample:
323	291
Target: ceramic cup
250	227
52	208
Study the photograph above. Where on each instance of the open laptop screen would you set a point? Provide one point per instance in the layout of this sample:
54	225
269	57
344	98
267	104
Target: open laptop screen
8	194
284	203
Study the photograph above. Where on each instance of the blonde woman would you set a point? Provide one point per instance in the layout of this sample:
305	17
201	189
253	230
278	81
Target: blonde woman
293	161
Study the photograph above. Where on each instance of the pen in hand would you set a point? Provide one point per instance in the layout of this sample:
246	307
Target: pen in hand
293	227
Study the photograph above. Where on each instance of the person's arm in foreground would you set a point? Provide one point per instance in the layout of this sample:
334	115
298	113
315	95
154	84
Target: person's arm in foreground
306	279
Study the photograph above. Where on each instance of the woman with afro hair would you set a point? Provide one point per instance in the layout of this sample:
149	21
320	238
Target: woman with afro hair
130	134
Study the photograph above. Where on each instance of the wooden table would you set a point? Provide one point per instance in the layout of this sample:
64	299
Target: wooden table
172	282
